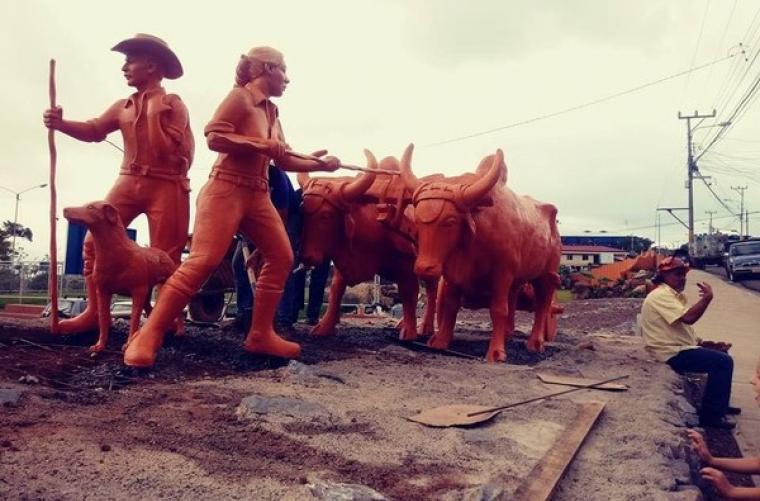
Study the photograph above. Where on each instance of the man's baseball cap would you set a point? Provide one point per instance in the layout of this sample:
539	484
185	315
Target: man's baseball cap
671	263
148	44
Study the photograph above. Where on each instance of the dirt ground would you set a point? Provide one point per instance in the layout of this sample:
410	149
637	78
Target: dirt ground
211	422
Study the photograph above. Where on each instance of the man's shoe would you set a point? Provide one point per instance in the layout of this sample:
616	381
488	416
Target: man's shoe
733	411
720	423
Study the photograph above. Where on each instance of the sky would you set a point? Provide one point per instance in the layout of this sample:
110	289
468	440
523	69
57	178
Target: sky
382	74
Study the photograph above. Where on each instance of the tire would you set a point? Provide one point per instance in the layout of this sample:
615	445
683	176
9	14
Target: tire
731	275
208	304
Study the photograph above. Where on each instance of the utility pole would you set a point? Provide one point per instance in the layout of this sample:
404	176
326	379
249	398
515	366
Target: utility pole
740	190
691	166
709	226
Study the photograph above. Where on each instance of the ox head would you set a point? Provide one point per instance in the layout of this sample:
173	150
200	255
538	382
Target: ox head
443	210
327	220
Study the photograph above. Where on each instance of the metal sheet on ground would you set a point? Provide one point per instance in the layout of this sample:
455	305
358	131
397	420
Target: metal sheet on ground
453	415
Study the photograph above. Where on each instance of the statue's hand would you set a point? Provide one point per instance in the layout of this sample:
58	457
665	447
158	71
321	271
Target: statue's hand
53	117
330	164
276	149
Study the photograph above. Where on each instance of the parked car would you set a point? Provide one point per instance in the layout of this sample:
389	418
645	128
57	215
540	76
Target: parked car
743	260
67	307
121	309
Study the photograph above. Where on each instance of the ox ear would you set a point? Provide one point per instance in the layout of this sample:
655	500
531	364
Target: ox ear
470	223
303	179
349	226
111	214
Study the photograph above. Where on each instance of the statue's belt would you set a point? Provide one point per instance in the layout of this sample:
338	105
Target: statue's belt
254	182
148	171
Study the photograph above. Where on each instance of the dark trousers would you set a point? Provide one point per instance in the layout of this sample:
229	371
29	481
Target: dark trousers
317	284
719	367
243	290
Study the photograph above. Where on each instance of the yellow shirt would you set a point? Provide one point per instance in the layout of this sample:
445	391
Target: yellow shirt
665	335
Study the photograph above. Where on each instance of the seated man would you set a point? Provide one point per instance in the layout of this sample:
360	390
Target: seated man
666	322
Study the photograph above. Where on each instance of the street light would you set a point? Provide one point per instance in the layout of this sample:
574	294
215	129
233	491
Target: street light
15	214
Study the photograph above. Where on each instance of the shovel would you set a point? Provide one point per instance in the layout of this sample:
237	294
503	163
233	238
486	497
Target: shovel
468	414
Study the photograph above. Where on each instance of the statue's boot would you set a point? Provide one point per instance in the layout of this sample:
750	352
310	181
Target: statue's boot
143	348
87	321
262	338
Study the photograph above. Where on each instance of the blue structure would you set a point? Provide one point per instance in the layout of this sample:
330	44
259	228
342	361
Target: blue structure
74	264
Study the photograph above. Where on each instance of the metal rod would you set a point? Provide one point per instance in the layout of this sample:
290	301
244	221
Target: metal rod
447	351
501	408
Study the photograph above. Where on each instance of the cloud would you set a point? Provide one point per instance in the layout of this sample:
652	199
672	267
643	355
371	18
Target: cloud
455	32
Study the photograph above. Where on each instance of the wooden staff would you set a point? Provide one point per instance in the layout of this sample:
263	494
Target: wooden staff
53	266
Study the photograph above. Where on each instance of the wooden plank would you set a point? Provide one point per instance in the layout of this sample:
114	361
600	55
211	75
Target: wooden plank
544	477
579	381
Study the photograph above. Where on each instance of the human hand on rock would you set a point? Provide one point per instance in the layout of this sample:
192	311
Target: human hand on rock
53	117
700	446
718	479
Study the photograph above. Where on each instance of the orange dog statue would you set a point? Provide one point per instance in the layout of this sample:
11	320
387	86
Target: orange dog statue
122	266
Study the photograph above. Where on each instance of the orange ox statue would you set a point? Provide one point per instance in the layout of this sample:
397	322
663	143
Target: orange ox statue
122	266
342	223
486	242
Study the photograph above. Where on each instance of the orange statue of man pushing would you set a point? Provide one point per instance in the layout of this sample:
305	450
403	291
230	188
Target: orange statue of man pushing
158	151
246	133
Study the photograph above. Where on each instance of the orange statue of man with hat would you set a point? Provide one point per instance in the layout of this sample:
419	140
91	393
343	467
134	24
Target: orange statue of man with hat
158	151
247	134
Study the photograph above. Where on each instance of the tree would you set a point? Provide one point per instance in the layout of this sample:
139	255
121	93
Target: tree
6	239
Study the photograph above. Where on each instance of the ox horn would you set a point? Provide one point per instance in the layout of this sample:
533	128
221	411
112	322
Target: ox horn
410	180
351	191
303	179
474	192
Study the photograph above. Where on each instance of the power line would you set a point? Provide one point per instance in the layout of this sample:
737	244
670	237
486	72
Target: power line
580	106
696	49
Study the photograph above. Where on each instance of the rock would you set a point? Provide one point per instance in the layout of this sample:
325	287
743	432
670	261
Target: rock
684	494
257	405
29	379
585	345
398	351
330	491
485	492
682	472
298	369
307	373
9	396
682	406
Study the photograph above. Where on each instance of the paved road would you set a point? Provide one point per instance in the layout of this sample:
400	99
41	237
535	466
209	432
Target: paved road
734	316
721	272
